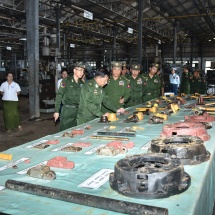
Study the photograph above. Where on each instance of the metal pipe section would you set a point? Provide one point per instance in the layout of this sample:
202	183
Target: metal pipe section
114	42
32	25
85	199
58	17
191	52
140	30
175	43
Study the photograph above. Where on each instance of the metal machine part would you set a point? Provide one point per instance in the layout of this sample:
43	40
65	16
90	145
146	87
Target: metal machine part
205	119
149	176
42	172
71	149
85	199
111	151
155	120
41	146
185	128
133	118
121	134
189	149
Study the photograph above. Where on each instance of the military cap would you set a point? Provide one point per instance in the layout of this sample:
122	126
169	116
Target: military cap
80	64
155	65
135	66
173	68
124	64
186	66
116	64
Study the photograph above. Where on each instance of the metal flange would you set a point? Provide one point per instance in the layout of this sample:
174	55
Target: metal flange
189	149
149	176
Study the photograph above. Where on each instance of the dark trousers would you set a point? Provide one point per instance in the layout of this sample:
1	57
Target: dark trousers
174	88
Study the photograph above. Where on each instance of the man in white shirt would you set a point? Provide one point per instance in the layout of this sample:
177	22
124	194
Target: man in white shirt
174	81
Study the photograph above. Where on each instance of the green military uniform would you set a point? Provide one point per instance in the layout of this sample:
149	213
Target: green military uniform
197	85
117	89
136	86
91	100
185	82
151	87
162	84
69	95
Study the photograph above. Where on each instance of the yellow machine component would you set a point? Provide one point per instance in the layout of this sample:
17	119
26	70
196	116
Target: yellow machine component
112	127
194	97
153	109
112	117
140	115
183	94
137	128
142	109
164	97
197	94
156	105
164	116
174	107
209	104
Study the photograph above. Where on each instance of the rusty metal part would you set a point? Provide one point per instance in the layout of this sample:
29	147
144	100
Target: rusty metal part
205	119
42	172
133	118
108	138
87	127
41	146
104	119
181	100
85	199
186	128
111	151
149	176
189	149
67	134
71	149
121	134
155	120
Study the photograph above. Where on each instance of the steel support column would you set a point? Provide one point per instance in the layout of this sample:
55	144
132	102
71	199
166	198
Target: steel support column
201	55
114	57
175	43
191	52
32	25
140	30
58	17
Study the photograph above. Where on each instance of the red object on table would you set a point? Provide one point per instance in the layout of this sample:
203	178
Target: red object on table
61	162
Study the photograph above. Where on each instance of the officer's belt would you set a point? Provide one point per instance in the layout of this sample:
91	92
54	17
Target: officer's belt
71	106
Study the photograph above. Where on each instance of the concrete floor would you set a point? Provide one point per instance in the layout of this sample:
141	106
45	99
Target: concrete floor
32	130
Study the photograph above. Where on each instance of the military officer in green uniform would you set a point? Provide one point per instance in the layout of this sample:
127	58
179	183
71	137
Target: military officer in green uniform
69	95
197	83
162	81
125	70
151	83
117	88
185	81
136	85
93	96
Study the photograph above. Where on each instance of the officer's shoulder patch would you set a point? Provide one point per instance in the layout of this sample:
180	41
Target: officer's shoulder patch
62	84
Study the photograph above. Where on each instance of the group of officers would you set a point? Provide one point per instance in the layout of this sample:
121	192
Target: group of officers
80	100
189	83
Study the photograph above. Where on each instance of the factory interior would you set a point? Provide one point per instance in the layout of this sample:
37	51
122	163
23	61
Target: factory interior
39	38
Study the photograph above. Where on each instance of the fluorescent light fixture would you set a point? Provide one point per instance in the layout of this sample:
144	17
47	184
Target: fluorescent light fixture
72	45
24	38
8	48
209	40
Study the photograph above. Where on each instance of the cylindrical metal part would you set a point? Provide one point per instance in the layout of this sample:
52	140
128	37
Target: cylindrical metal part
85	199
